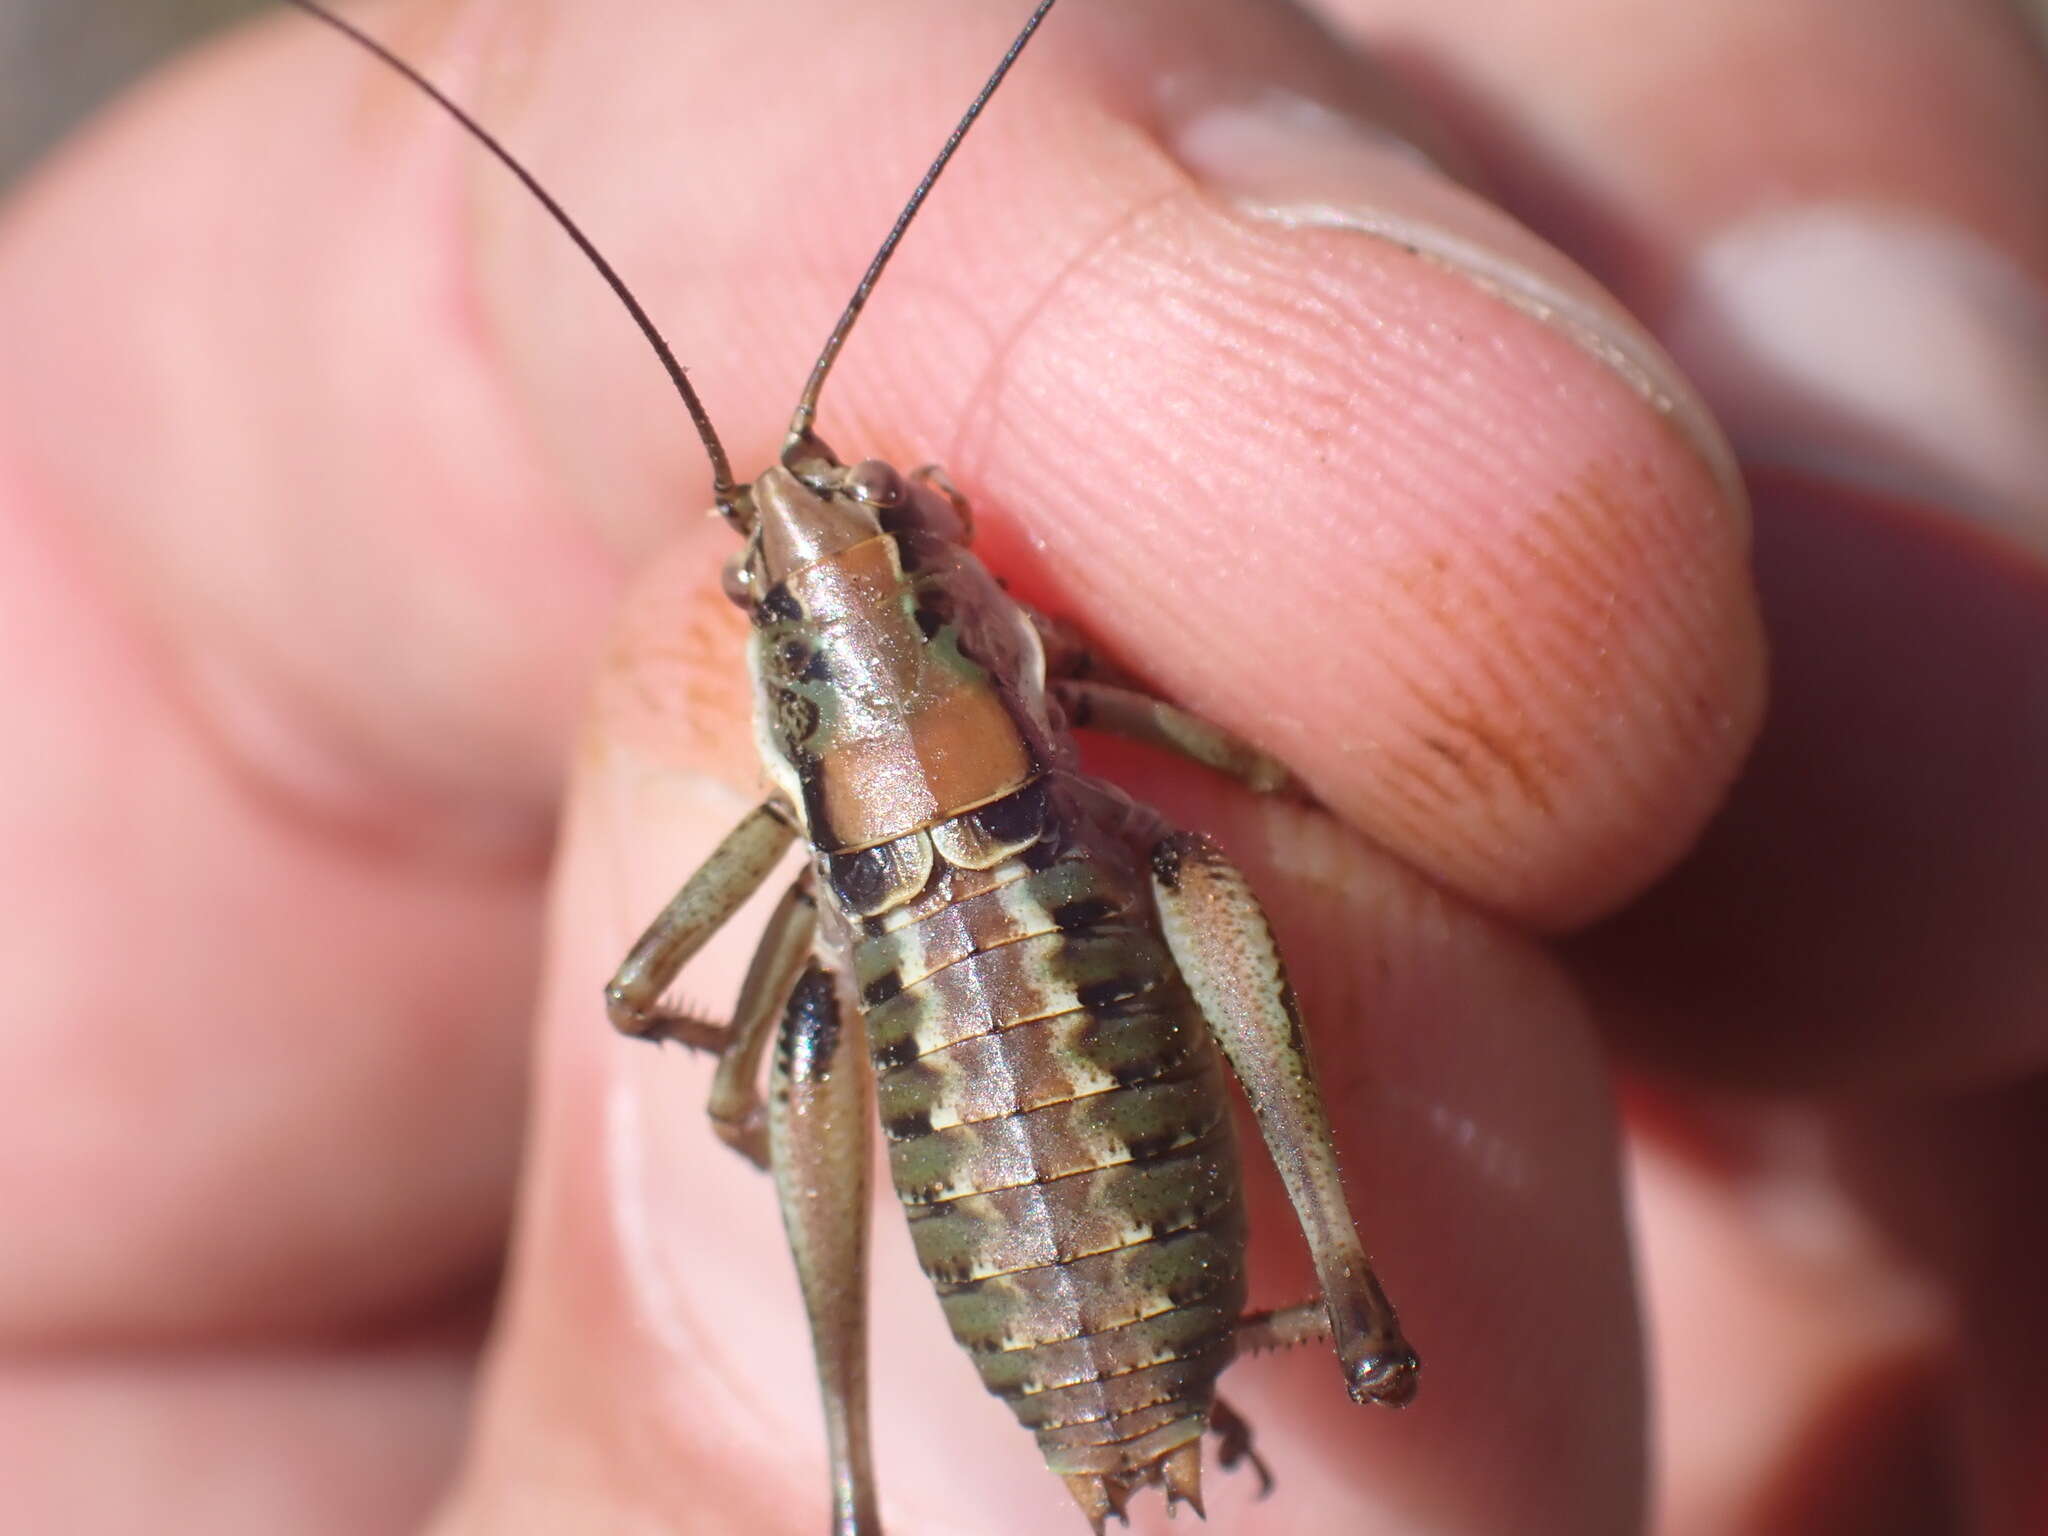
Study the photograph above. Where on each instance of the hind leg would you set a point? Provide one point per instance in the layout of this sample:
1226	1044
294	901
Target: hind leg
1306	1322
820	1130
1226	953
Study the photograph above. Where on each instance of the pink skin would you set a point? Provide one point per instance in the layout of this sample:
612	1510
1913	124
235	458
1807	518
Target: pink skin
326	471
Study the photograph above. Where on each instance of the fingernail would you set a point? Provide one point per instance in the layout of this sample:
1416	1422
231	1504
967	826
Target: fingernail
1297	162
1881	346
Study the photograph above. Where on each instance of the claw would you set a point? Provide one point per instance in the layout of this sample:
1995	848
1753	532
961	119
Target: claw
1234	1444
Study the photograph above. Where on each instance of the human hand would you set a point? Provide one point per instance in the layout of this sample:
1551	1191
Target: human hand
325	465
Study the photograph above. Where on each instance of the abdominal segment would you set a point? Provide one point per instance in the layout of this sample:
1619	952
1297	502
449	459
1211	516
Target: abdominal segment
1059	1135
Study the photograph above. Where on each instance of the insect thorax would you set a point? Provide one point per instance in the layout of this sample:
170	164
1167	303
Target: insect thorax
897	686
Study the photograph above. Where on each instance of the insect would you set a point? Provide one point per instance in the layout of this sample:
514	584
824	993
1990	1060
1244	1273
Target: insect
1033	983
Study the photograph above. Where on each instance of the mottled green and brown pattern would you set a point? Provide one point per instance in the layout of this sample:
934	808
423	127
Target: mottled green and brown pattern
1058	1122
1059	1134
1049	982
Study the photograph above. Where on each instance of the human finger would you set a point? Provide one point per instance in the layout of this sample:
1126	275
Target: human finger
1955	1182
1599	496
1834	213
394	657
653	1363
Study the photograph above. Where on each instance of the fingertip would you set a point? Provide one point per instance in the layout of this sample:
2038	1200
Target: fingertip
1460	572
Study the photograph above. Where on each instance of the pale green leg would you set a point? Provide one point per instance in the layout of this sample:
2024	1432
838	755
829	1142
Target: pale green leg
1098	696
706	902
1306	1322
1226	954
734	872
1069	657
1126	712
737	1111
820	1129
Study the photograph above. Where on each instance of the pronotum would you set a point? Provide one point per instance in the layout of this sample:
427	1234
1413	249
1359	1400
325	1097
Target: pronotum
1033	984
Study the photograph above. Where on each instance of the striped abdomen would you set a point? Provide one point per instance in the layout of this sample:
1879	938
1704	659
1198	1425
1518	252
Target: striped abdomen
1059	1131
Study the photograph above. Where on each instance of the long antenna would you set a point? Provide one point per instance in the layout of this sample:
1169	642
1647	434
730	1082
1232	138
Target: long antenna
721	468
807	406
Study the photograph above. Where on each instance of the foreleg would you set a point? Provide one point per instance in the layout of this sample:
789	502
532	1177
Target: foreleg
706	902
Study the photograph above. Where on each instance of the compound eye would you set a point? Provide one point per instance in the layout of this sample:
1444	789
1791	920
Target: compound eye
874	483
737	577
